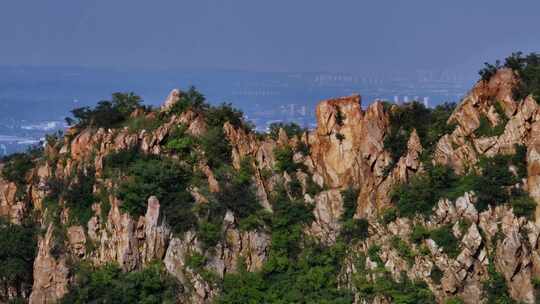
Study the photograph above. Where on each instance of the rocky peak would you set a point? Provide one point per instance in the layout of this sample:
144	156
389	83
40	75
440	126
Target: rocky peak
173	97
347	140
346	150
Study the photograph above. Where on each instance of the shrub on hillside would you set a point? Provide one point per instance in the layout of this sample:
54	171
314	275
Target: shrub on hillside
290	128
430	124
165	178
284	159
16	167
18	248
107	113
109	284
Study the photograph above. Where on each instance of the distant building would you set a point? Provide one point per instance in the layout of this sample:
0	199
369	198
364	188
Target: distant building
303	110
426	102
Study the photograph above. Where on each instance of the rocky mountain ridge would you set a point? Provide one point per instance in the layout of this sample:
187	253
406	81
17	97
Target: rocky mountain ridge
345	151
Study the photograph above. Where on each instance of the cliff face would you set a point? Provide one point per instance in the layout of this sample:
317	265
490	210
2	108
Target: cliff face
346	150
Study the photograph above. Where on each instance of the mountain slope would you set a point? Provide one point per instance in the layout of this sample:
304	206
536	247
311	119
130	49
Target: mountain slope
388	204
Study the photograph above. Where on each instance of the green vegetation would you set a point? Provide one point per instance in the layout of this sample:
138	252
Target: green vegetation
403	249
421	194
311	279
209	233
350	197
146	175
443	236
143	122
445	239
284	159
340	117
182	144
436	274
430	124
489	70
454	300
16	168
388	215
297	270
527	68
493	185
237	190
496	289
108	284
352	229
291	129
373	253
18	247
303	148
485	129
76	192
190	99
79	196
107	114
403	292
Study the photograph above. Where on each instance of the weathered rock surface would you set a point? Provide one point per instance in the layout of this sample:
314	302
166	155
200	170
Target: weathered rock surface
346	150
51	274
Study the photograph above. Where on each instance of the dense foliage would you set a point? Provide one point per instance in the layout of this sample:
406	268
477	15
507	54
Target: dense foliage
485	129
77	194
108	284
284	159
190	99
352	228
496	289
17	253
420	195
107	113
142	176
430	124
493	184
403	292
297	270
16	167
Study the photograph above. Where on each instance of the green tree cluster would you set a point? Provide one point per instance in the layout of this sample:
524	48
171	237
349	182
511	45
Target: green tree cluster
403	291
430	124
108	284
493	183
297	270
141	176
18	247
352	229
16	167
107	113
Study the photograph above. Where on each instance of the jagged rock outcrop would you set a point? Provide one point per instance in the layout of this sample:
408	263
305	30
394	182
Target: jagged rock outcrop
462	148
51	274
172	99
346	150
10	206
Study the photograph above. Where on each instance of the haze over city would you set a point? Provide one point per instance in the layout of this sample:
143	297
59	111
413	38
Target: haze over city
275	60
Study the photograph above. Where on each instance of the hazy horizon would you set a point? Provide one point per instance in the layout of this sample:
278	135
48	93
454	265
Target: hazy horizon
346	36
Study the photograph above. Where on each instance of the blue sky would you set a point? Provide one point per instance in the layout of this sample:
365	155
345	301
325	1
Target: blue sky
277	35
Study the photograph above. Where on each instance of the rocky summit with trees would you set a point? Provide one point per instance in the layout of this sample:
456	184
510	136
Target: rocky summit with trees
186	203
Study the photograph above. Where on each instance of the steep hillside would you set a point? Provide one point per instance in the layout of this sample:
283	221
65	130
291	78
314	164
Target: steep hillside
186	204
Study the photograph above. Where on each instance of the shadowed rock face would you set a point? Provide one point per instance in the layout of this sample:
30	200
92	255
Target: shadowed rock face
346	150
